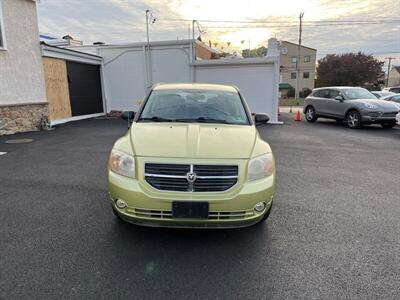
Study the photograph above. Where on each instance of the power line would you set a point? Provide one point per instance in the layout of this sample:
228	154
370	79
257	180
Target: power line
291	26
327	22
366	51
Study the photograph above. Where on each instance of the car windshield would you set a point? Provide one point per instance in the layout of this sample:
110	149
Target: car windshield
358	93
194	106
396	98
385	94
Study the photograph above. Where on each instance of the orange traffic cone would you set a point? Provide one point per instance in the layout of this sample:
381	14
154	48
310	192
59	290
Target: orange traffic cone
297	116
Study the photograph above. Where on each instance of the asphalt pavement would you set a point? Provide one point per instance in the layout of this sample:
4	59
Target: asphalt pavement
333	232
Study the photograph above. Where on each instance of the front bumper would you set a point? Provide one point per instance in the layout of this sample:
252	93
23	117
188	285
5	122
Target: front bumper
372	117
151	207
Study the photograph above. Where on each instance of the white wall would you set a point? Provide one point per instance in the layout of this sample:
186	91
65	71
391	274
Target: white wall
124	71
256	81
170	64
21	68
125	79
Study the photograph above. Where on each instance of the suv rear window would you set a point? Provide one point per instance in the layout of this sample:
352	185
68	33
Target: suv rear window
321	93
333	93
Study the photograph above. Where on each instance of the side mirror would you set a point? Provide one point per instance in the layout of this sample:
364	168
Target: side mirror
339	98
261	119
128	116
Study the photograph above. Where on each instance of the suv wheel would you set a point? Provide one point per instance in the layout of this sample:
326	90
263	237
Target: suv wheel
353	119
311	116
388	125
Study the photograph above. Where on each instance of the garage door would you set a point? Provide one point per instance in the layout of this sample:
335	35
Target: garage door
84	89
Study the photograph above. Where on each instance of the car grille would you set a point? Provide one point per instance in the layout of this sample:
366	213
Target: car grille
390	114
381	114
167	214
191	178
374	114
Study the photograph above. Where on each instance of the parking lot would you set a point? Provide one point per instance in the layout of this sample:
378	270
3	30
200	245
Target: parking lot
333	232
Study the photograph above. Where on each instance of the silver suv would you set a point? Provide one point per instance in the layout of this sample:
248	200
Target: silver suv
353	105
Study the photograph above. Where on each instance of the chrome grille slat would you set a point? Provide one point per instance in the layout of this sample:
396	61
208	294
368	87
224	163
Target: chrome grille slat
167	214
208	178
214	181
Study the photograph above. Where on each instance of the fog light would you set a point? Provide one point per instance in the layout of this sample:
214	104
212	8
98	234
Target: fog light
259	207
121	203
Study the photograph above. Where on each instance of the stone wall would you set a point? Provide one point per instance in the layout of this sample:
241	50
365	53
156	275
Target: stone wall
21	68
22	118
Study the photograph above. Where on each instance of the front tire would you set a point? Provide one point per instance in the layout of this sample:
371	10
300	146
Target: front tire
353	119
388	125
311	115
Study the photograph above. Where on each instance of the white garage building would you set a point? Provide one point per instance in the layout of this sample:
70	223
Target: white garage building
128	71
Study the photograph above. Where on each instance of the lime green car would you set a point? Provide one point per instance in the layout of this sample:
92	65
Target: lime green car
192	158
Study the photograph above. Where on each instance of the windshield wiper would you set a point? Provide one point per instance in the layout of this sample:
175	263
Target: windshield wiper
156	119
186	120
202	120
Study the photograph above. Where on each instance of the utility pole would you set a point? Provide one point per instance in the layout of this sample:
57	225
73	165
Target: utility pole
147	50
149	18
387	78
193	42
298	55
147	27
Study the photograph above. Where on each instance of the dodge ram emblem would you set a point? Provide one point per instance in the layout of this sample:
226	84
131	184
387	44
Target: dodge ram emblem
191	177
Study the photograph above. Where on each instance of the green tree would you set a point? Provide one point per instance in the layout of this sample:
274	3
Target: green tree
259	52
352	69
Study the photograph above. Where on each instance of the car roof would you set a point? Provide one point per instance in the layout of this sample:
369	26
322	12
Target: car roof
195	86
338	87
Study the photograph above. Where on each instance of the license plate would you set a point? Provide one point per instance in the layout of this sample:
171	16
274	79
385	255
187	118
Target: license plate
190	210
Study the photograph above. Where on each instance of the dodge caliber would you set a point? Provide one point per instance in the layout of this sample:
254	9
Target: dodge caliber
192	158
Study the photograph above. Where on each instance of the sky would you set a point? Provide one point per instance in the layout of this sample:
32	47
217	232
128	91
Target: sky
123	21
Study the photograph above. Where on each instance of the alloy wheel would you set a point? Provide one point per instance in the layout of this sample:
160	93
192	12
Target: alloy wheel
310	114
353	119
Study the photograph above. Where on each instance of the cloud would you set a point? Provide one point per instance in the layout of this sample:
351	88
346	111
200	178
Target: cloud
121	21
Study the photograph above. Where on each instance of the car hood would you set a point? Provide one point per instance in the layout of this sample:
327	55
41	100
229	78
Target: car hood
395	103
381	104
189	140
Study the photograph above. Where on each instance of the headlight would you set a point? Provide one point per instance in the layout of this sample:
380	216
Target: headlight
260	167
370	106
122	163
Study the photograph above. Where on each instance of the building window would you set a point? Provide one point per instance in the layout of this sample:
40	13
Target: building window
2	34
293	75
294	59
306	74
307	58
